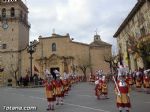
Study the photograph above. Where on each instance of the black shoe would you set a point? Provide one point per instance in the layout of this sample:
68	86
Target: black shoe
52	109
48	109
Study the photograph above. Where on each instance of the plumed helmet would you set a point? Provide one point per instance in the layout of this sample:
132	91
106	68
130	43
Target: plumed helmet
137	73
61	78
49	77
56	71
96	82
97	78
121	71
145	72
47	74
57	75
103	78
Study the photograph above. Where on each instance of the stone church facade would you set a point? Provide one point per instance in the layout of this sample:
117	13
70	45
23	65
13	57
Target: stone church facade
62	53
55	52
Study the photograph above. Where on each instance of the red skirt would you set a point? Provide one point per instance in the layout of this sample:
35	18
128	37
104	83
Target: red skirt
124	105
60	95
51	99
104	93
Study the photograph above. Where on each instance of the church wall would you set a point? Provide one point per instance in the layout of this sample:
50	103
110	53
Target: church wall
64	48
24	36
81	54
97	59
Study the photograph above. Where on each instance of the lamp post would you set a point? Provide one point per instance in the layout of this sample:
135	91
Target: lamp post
31	49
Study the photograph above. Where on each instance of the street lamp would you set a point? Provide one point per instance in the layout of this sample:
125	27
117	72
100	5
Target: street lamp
31	49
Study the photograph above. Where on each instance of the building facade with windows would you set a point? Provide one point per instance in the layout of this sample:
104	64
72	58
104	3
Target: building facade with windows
62	53
14	35
133	34
54	52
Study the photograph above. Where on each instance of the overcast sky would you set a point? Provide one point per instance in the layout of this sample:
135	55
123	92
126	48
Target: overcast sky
79	18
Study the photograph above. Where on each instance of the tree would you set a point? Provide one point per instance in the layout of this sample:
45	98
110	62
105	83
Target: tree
144	51
113	61
84	64
74	68
141	48
13	70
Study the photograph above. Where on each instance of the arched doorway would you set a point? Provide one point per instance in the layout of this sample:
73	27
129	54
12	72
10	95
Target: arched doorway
52	71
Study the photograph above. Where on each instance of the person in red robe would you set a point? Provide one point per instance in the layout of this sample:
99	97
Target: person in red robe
49	91
98	88
122	91
59	92
104	87
130	79
146	82
138	81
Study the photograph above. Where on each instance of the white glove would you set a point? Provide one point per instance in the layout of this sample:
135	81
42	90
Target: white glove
119	94
128	94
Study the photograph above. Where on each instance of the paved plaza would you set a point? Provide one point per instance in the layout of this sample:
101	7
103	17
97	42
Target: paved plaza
81	99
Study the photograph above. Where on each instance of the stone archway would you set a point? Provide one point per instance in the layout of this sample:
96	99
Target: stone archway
63	63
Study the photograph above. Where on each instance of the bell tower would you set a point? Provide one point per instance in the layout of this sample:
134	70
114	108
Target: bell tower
14	30
97	37
14	33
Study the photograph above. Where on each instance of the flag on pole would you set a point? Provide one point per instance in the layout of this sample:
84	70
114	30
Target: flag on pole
35	69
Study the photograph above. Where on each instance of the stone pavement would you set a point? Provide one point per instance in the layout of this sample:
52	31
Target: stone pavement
81	99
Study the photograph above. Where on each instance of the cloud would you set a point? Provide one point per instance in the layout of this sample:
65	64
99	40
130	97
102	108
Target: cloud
79	18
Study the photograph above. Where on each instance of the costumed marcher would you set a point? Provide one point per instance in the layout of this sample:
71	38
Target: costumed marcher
69	82
92	78
130	79
55	73
100	72
146	82
59	90
49	90
71	79
98	87
138	81
104	87
122	91
65	83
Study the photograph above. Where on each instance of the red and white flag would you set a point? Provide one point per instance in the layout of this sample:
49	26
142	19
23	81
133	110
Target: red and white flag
35	69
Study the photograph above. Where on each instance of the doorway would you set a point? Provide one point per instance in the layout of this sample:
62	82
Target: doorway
52	71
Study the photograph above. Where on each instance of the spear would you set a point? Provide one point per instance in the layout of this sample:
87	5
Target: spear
116	85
